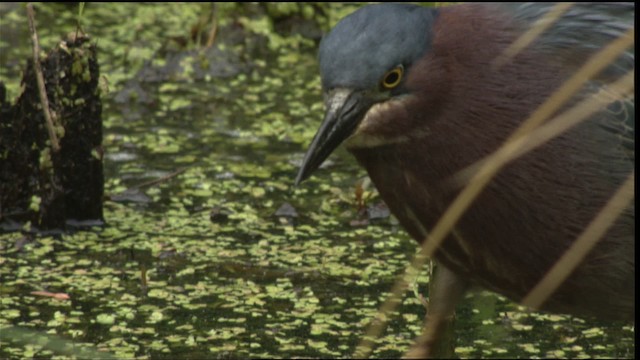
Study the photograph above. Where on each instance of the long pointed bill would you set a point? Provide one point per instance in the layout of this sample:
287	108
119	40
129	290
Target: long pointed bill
345	109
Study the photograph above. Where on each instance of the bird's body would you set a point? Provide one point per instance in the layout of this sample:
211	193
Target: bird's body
535	208
451	107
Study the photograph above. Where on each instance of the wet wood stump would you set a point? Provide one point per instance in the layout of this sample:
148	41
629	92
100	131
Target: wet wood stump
47	185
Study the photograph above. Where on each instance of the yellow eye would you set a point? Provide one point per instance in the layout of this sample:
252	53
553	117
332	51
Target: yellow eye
392	78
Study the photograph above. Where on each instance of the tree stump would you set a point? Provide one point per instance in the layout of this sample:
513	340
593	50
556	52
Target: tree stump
48	188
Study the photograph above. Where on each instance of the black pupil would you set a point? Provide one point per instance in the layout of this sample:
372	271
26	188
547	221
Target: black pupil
391	78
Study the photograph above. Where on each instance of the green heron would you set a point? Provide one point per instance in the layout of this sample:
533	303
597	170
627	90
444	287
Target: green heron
414	95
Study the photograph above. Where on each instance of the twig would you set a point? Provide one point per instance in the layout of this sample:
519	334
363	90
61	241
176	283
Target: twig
162	179
214	26
49	117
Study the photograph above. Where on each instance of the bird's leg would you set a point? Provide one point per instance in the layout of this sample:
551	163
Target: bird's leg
446	290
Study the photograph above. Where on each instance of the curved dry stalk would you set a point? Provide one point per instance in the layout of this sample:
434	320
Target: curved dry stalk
532	34
563	122
48	115
378	323
596	63
581	247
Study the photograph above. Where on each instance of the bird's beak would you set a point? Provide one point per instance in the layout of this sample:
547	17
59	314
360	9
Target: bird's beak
345	110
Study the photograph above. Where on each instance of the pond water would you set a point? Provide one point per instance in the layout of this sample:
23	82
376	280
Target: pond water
201	255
